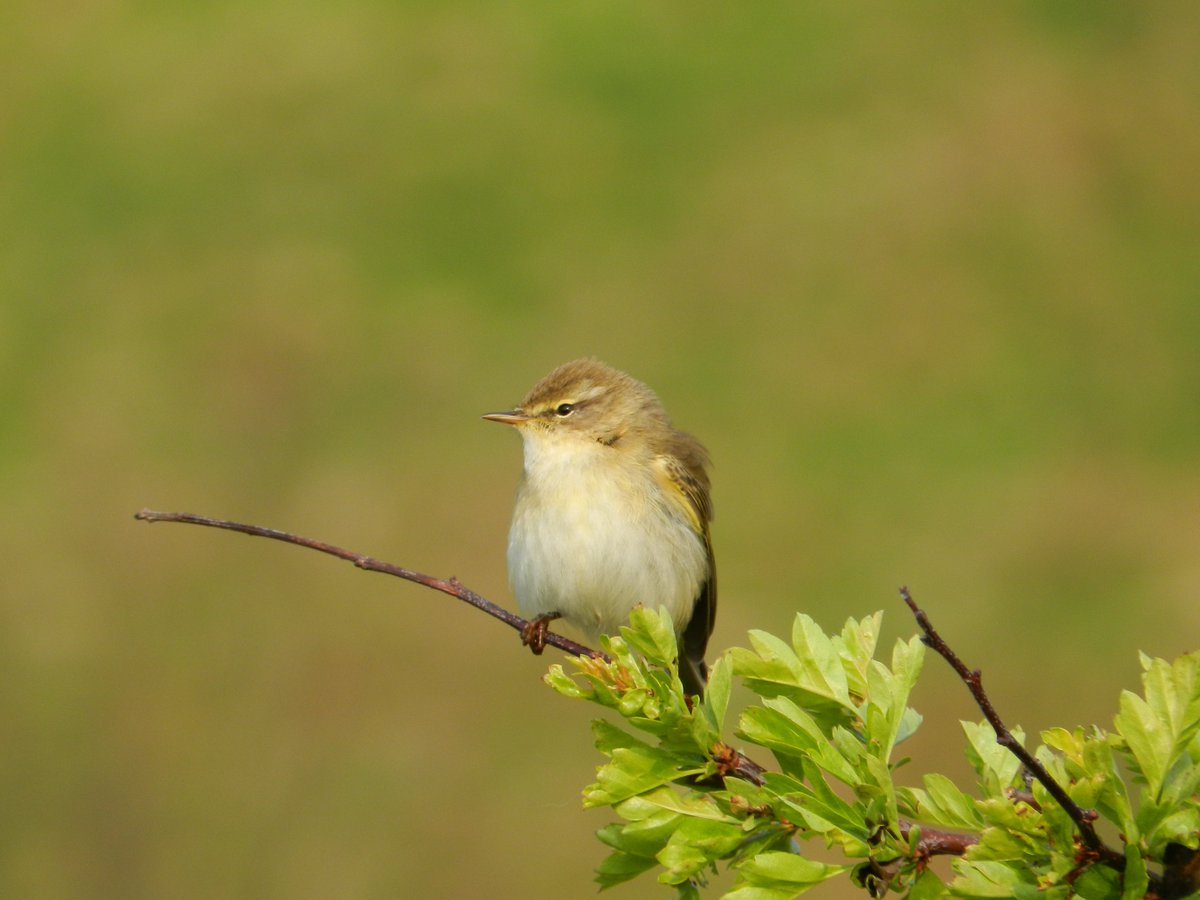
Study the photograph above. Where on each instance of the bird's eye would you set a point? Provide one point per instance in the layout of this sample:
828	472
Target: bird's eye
564	409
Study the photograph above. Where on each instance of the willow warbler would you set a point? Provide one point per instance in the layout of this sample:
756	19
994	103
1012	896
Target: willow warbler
612	510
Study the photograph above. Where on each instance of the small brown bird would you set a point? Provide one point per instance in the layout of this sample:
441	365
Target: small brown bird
612	511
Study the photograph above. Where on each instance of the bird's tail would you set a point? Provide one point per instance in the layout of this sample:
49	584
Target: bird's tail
694	675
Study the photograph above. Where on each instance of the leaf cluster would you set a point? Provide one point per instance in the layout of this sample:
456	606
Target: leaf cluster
831	716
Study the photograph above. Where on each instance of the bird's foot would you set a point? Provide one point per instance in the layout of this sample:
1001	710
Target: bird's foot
533	635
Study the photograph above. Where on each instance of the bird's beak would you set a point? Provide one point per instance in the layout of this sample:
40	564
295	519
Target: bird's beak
515	417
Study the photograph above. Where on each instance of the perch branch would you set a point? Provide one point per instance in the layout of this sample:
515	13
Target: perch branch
451	586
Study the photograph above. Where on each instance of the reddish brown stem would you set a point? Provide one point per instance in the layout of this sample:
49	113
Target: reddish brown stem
936	842
973	679
451	586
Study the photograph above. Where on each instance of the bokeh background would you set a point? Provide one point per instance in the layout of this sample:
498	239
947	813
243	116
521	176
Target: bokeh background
926	280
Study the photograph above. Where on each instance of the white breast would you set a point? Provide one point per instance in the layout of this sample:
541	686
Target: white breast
591	542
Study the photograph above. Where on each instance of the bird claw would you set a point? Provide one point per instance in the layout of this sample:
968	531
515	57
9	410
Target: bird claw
533	634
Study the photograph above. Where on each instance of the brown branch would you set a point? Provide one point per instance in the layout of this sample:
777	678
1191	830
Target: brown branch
974	682
451	586
938	842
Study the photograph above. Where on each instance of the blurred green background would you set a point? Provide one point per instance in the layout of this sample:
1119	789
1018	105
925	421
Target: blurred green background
926	281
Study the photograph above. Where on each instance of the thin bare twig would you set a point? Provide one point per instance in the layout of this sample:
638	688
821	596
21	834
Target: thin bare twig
973	679
451	586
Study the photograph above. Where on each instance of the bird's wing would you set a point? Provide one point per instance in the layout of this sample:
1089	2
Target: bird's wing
687	486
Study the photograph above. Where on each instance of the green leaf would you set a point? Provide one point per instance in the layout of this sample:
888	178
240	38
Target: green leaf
879	791
694	845
910	721
759	892
778	875
856	647
1157	729
692	804
644	835
810	674
886	709
997	767
1100	882
821	666
708	724
1006	845
1172	692
927	886
652	633
680	861
608	737
1136	880
946	805
782	726
1172	815
635	767
1149	739
715	837
820	809
988	878
617	868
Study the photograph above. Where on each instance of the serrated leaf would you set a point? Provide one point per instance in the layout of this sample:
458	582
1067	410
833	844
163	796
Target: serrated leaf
1148	738
821	666
819	808
1160	727
927	886
910	721
715	837
633	770
608	737
772	669
856	647
996	766
691	804
644	836
769	660
759	892
1171	691
708	719
1173	814
885	713
1005	845
1100	882
1068	743
617	868
782	875
987	878
1136	880
696	844
879	790
948	805
680	861
652	633
783	727
564	683
809	664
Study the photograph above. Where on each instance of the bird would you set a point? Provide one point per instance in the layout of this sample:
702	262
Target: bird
613	510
